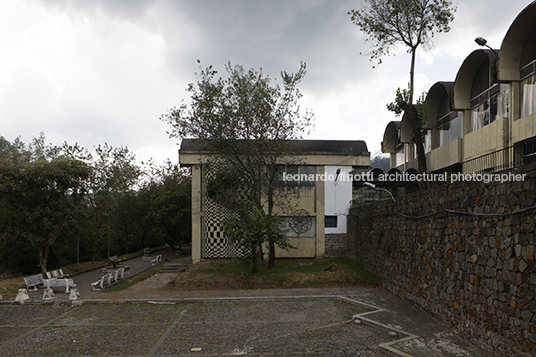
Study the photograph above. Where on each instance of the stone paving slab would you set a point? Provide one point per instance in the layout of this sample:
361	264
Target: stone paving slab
416	334
278	327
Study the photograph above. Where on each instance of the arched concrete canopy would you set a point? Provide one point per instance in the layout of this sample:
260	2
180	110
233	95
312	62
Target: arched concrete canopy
406	134
412	171
518	45
395	171
466	74
434	99
376	173
391	137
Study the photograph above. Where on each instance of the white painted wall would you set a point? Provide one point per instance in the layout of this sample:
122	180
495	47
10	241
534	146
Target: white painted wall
338	194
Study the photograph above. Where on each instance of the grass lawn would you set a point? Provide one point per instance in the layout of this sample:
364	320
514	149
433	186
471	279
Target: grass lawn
228	274
288	273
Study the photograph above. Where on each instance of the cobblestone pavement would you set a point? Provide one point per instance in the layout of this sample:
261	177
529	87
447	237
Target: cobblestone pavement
149	320
277	327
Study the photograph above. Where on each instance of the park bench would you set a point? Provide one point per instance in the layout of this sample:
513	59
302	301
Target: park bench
60	283
34	281
118	274
146	255
55	274
108	279
103	280
157	259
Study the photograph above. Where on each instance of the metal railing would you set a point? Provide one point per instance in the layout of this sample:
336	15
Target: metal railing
495	161
510	157
507	158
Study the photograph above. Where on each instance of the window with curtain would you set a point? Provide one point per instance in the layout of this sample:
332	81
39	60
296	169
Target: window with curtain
528	90
489	106
427	140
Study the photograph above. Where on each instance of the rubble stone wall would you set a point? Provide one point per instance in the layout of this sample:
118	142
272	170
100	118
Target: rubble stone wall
335	245
463	252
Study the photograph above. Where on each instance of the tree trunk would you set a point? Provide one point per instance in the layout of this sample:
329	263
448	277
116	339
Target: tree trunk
43	258
412	115
271	254
412	75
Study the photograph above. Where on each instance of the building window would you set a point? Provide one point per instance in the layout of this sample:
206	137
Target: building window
330	221
400	155
450	127
427	141
489	106
528	89
298	175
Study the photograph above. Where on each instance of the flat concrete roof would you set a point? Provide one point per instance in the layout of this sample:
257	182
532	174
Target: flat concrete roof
326	147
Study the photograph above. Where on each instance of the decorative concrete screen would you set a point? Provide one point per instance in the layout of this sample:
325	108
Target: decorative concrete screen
215	244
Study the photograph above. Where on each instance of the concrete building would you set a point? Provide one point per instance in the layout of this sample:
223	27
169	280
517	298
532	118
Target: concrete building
321	208
485	120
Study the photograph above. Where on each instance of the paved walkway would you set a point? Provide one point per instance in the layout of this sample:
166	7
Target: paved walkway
136	266
413	332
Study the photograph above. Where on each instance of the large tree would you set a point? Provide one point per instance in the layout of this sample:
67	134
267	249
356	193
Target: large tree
413	24
115	177
40	190
250	124
60	203
167	196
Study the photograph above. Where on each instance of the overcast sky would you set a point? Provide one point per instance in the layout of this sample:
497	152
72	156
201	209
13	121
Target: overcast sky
104	71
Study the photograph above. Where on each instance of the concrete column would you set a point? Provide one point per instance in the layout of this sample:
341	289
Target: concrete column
515	110
197	215
320	212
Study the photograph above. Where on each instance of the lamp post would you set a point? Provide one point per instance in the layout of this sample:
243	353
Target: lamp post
483	42
373	186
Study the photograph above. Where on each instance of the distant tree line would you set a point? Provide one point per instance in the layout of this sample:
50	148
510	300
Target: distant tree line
63	204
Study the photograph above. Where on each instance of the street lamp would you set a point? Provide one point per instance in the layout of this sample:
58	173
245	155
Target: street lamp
373	186
482	42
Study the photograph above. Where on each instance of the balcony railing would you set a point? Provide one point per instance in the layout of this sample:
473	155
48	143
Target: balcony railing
507	158
510	157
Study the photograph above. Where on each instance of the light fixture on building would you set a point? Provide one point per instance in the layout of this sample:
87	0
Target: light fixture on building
373	186
483	42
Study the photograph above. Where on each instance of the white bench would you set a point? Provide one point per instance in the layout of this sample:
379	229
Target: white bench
157	259
108	279
34	281
118	274
103	280
60	283
55	274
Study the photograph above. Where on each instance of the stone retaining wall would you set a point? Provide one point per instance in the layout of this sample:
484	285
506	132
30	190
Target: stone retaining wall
474	271
335	245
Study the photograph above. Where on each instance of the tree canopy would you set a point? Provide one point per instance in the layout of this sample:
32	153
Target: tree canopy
59	203
248	121
410	23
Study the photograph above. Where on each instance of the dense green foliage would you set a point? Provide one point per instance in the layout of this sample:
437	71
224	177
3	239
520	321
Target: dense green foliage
63	204
248	123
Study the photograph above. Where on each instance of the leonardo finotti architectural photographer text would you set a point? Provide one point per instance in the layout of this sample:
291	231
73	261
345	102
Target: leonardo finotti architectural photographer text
406	177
